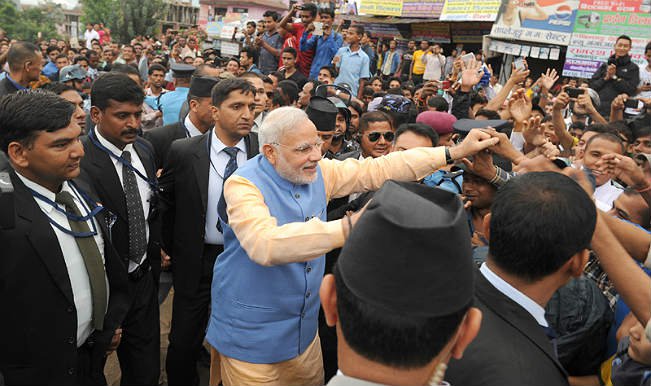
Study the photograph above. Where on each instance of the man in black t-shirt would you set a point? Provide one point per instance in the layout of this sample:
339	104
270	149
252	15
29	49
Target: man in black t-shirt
405	62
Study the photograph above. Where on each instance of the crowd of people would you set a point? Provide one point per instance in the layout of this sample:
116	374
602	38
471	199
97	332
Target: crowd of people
327	211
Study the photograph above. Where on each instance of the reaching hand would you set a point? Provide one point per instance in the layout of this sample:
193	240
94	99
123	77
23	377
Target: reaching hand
476	141
504	148
561	101
471	75
549	150
548	79
623	168
520	106
534	133
481	165
618	102
585	101
518	76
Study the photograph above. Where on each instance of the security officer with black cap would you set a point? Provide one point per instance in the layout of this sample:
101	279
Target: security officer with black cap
323	113
170	102
198	121
402	305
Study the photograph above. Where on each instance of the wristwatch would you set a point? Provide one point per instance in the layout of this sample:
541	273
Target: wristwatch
448	157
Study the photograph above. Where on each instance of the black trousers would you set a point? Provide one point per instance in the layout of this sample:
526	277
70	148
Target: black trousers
139	350
190	314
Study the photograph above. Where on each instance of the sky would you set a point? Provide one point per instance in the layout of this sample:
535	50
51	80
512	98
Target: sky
68	4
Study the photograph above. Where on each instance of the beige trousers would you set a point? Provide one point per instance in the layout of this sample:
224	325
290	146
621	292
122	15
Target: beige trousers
304	370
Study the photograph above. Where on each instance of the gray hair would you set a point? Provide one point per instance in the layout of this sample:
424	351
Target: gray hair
278	122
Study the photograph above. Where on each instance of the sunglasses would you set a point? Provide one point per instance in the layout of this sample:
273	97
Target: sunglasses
375	136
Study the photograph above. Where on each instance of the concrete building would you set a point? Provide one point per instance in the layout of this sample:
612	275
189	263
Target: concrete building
180	15
211	9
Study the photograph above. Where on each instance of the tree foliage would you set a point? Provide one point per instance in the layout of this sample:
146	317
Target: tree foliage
25	24
125	18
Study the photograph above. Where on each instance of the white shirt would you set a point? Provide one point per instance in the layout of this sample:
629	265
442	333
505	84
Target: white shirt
143	187
89	36
533	308
192	129
605	195
434	66
218	161
77	273
645	79
257	122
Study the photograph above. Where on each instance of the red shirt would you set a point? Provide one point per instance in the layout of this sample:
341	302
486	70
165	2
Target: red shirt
290	41
304	57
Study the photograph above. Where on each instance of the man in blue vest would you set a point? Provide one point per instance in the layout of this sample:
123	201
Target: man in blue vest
263	323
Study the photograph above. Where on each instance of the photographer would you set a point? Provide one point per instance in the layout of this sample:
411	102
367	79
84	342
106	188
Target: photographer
617	76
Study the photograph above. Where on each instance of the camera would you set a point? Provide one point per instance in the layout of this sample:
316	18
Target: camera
574	92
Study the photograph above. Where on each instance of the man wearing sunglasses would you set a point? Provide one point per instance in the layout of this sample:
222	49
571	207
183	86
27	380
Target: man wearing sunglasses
377	134
265	306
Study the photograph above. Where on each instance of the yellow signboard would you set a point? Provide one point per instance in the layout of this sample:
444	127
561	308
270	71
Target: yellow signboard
470	10
381	7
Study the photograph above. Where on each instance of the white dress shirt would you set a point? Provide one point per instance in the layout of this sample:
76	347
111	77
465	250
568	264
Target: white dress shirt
143	187
89	36
77	273
192	129
533	308
219	159
605	195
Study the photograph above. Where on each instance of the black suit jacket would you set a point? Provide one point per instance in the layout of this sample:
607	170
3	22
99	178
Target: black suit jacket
162	137
510	349
184	197
98	171
6	87
38	327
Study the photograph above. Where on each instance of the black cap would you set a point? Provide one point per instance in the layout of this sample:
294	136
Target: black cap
323	113
201	86
181	70
465	125
410	252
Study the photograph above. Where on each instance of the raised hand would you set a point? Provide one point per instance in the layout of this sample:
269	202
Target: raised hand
520	106
471	75
561	101
534	133
548	79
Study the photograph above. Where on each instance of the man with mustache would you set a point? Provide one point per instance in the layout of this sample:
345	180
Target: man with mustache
264	303
120	166
62	281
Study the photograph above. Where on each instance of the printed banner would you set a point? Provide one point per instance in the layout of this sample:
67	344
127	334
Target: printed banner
382	31
422	8
381	7
469	33
541	21
598	24
433	32
470	10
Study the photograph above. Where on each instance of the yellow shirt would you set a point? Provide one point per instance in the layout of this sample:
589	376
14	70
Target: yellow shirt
419	66
269	244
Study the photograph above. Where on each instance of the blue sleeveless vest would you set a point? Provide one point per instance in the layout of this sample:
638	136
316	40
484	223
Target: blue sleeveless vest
268	314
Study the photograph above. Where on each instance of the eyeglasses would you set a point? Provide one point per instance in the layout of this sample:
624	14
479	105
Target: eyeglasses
303	149
375	136
270	94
